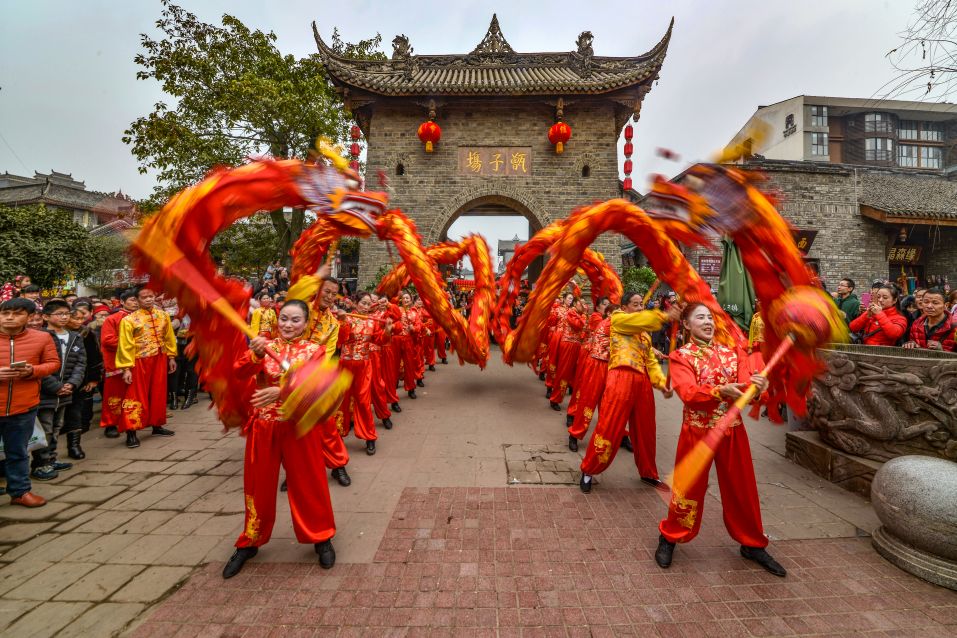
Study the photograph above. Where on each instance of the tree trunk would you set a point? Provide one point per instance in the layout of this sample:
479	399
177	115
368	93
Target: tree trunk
288	231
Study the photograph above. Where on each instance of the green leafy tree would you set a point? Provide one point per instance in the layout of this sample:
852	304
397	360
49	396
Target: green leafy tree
247	247
236	95
107	254
44	243
639	279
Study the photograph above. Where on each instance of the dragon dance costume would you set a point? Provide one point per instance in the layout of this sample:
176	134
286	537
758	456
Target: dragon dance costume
569	349
357	337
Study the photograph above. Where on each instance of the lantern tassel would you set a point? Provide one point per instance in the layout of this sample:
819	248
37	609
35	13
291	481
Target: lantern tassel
428	147
559	148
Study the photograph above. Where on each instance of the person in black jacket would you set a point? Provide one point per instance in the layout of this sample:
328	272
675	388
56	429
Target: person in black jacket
79	414
56	390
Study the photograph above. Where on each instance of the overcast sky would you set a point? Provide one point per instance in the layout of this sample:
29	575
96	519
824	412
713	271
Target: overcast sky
68	87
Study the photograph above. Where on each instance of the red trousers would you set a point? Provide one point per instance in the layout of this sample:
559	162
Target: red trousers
405	352
440	344
568	352
583	358
388	360
739	492
334	452
589	385
269	444
357	404
144	404
553	353
420	348
112	408
380	393
428	345
540	365
628	399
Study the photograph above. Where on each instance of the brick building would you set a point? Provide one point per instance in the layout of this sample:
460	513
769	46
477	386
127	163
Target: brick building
93	210
495	107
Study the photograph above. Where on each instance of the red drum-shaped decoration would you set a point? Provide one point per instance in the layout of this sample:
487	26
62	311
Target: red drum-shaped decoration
629	133
355	132
354	150
430	134
626	184
629	149
628	167
558	134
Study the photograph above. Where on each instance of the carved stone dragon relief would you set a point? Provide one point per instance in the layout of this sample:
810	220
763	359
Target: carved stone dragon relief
881	407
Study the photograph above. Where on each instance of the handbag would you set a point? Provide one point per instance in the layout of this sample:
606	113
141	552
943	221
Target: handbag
38	439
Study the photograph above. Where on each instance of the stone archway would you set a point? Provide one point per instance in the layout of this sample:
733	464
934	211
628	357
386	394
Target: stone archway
522	203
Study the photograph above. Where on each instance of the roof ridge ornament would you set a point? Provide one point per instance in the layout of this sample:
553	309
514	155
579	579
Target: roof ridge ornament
493	47
585	53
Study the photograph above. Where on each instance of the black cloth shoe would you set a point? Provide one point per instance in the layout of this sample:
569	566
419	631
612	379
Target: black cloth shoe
626	443
327	554
131	439
569	420
431	368
661	486
283	487
171	400
572	443
664	553
445	362
760	556
73	449
541	377
235	563
387	423
342	476
548	392
161	431
111	432
370	447
420	383
412	394
585	484
555	406
60	466
396	408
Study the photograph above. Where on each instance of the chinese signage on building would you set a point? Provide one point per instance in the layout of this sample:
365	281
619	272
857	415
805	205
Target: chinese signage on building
709	265
904	255
803	239
491	161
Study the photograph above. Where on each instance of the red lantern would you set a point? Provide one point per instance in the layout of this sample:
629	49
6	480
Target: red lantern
628	167
355	132
629	149
354	165
430	134
629	133
354	150
558	135
626	184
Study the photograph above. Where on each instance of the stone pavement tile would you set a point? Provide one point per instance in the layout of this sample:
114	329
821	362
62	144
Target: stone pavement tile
77	510
76	521
50	581
183	524
99	583
106	619
57	547
22	532
146	483
202	484
190	551
191	467
172	483
105	521
144	522
10	610
134	479
104	464
141	500
217	502
46	619
151	584
15	551
49	510
91	479
103	548
227	468
146	549
225	525
179	455
151	467
16	573
92	494
176	501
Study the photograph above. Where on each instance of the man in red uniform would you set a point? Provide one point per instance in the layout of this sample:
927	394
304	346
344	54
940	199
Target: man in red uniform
145	355
709	377
114	390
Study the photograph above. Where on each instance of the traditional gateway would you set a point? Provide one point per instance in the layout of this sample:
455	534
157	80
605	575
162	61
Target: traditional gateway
488	150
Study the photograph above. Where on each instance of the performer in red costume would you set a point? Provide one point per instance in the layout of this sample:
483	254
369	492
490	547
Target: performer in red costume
628	399
145	354
319	291
409	326
556	324
591	375
356	335
271	442
569	348
440	338
709	377
386	358
114	390
378	357
422	341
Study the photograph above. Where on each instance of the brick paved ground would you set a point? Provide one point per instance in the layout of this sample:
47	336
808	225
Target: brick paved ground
133	540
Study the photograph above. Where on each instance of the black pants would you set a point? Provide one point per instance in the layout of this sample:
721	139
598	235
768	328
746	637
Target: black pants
185	379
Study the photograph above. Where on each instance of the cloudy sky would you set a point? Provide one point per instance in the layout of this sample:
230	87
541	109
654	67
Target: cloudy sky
68	87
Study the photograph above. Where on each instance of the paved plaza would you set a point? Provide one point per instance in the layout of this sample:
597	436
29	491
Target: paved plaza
466	522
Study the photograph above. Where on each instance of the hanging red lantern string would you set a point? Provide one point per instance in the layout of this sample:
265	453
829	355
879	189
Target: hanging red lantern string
429	134
629	149
355	133
558	135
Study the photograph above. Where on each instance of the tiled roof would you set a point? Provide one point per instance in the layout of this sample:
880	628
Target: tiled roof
54	191
909	195
493	68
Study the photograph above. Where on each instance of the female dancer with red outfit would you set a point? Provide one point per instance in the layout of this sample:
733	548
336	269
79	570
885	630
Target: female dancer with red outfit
383	367
556	324
357	335
271	442
569	347
628	400
421	342
409	326
709	377
591	376
584	355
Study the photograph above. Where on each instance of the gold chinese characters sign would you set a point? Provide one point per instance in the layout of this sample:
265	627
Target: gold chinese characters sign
490	161
904	255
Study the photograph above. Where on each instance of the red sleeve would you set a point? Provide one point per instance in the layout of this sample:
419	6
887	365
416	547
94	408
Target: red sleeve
49	360
685	383
552	318
394	312
857	325
893	325
248	364
109	338
575	320
949	344
594	320
915	334
345	331
380	336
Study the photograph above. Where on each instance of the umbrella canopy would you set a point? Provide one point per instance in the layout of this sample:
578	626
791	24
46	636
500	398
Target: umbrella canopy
735	290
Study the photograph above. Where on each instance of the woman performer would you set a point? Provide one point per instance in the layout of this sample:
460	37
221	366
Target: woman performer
263	321
709	377
540	364
557	323
422	341
377	357
569	347
270	441
584	354
387	359
592	372
356	336
409	326
628	399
